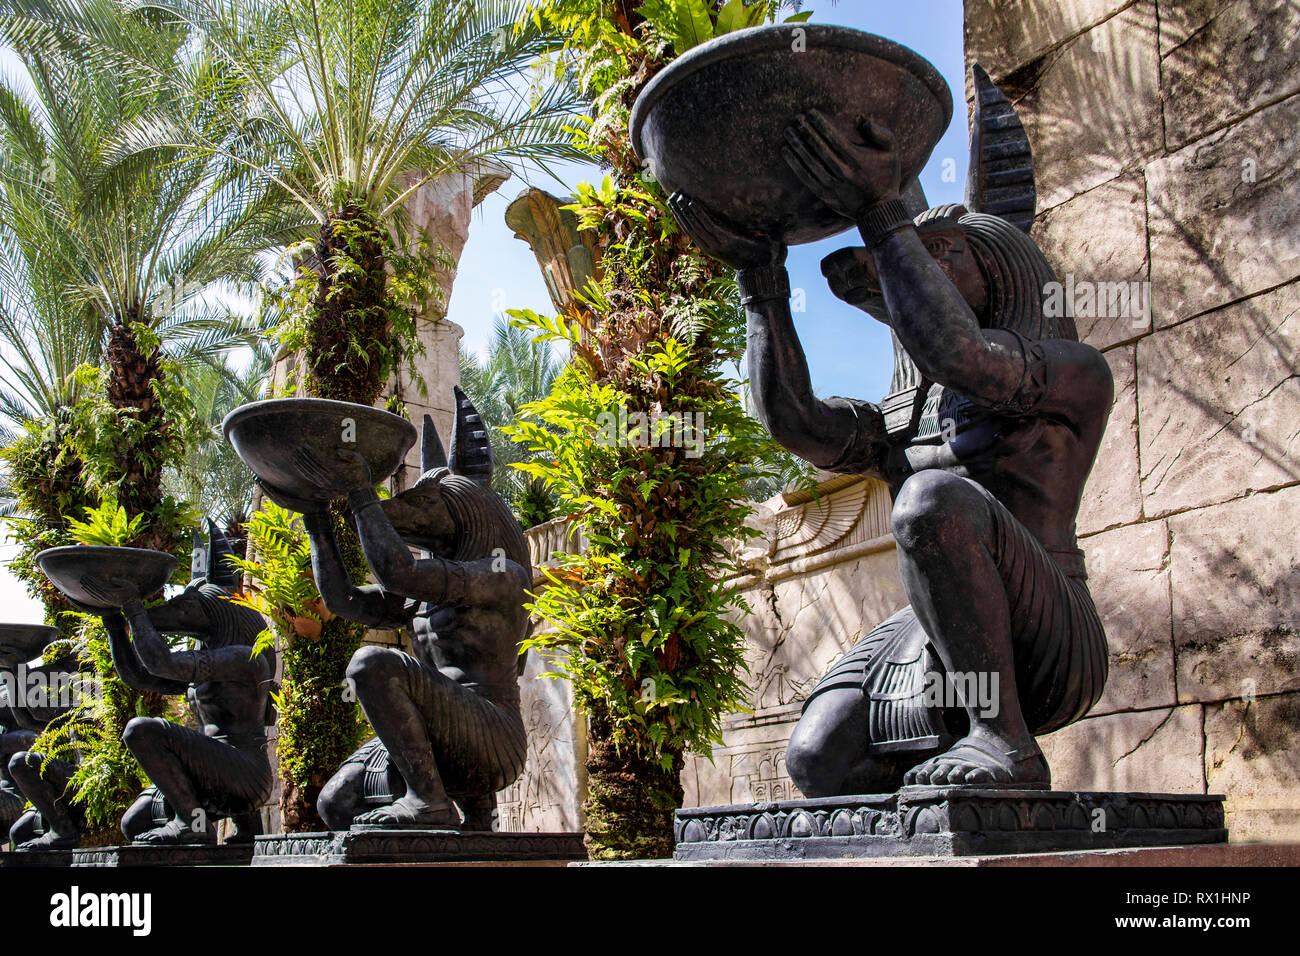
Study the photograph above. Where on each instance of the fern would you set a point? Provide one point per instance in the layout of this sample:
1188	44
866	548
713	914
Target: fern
106	525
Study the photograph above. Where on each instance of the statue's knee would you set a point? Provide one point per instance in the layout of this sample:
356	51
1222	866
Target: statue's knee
931	503
336	804
24	764
137	819
140	732
369	664
810	762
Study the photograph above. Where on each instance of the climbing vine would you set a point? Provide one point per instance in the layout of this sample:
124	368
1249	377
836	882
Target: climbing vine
646	442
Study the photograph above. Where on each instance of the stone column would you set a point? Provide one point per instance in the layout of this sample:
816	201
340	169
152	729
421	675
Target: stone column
565	253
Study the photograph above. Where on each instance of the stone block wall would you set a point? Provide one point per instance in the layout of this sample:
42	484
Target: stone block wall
1166	138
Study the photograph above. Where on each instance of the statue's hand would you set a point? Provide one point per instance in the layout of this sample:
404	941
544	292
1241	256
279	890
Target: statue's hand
849	176
354	470
286	500
851	275
113	593
725	241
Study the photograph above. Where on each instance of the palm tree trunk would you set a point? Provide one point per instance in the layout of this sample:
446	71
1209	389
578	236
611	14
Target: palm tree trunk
132	372
630	799
348	334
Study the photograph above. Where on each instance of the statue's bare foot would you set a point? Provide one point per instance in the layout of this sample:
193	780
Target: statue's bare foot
983	759
50	841
410	812
177	833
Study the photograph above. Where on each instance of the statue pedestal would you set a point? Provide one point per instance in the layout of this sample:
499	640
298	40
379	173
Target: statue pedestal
947	822
231	854
362	845
36	858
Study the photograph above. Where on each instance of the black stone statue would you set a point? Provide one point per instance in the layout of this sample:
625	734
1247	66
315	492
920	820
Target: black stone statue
27	776
987	467
199	777
448	725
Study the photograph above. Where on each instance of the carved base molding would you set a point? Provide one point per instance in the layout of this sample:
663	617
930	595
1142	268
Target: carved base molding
362	845
36	858
230	854
947	822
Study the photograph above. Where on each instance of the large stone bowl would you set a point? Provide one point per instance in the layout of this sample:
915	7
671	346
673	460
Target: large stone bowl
20	643
72	567
271	436
711	124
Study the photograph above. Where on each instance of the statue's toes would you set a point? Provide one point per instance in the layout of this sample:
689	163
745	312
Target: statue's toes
979	775
953	773
921	776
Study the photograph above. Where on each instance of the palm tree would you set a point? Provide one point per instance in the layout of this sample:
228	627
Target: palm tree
346	109
211	475
349	108
108	261
518	370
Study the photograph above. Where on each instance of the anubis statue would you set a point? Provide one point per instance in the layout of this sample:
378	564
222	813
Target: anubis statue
199	776
996	419
447	721
55	822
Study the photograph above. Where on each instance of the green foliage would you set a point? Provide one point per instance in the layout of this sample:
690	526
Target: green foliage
282	588
106	525
103	436
644	621
45	487
355	314
688	23
646	601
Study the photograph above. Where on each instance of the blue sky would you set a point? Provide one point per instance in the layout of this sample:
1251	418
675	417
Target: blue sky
848	352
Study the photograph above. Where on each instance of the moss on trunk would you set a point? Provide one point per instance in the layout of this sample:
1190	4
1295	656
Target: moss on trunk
630	800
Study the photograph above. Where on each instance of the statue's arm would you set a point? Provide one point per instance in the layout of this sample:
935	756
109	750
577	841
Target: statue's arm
127	662
16	741
483	583
369	606
992	367
183	668
163	667
838	434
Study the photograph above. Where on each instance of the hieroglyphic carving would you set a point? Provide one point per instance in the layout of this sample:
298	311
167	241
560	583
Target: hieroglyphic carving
546	796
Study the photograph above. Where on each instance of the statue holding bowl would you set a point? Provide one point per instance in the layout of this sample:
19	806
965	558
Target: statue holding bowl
198	778
449	732
26	775
987	474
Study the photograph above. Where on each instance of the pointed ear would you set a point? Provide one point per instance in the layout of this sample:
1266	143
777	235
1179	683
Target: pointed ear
219	571
1001	162
431	453
471	450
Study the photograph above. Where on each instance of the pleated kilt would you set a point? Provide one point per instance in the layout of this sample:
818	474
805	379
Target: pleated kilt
479	742
228	780
1057	636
